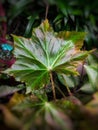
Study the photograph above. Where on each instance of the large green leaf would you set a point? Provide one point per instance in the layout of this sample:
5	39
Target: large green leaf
43	53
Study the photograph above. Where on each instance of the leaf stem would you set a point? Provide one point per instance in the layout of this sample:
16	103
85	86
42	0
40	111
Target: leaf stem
69	92
53	86
82	71
47	8
61	92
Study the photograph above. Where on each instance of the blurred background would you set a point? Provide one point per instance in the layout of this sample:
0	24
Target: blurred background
78	15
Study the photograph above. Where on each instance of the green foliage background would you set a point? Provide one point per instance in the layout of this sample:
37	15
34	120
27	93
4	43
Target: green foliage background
78	15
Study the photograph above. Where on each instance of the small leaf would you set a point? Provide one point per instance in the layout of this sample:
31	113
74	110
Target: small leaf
92	59
71	81
87	88
15	99
7	90
29	25
92	72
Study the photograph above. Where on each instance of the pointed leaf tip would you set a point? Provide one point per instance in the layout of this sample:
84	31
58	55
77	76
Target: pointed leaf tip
45	25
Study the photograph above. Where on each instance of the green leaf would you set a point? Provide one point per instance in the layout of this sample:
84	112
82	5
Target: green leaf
31	20
87	88
71	80
44	53
76	37
48	114
92	59
92	72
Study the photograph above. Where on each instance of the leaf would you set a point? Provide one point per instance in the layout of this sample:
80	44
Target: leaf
57	118
15	99
71	81
31	20
7	90
44	53
42	114
76	37
92	72
92	59
87	88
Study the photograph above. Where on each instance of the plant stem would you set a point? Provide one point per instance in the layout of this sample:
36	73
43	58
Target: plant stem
69	92
46	13
61	92
53	86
